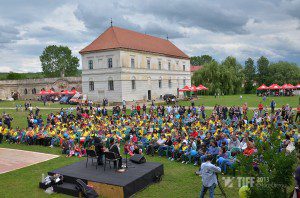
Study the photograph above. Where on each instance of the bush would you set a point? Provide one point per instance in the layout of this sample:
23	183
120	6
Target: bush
274	172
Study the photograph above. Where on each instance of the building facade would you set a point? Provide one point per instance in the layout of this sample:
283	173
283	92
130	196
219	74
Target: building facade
122	64
28	88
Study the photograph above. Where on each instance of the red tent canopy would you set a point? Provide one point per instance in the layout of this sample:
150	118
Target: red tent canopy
287	86
193	88
51	92
297	86
184	89
201	87
274	87
263	87
65	92
43	92
73	92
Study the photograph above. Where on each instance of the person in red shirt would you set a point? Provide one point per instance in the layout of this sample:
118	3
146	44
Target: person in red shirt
260	107
250	149
138	109
194	134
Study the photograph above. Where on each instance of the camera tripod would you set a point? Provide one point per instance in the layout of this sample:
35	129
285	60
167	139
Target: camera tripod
221	188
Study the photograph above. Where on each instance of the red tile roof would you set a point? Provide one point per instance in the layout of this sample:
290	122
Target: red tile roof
196	67
119	38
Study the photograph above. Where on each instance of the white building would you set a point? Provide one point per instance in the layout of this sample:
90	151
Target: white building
123	64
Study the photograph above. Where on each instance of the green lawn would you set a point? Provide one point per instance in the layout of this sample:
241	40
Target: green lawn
12	104
179	179
19	117
252	101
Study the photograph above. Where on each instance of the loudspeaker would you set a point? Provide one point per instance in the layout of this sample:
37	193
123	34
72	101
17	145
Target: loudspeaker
138	159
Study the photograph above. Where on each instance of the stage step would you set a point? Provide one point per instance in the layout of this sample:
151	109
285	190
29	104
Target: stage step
67	188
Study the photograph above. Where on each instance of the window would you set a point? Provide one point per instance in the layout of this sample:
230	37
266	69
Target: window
91	64
159	65
148	64
132	63
160	83
110	85
183	67
184	82
109	62
170	83
33	91
25	91
91	86
169	66
133	86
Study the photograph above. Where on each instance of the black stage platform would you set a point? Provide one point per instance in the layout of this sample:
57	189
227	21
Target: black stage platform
110	183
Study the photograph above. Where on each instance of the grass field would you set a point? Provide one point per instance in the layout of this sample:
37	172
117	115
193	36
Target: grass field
179	179
12	104
210	101
250	99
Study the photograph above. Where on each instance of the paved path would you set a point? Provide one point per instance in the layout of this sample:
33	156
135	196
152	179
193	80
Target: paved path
13	159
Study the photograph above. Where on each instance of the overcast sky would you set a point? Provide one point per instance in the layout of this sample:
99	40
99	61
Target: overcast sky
239	28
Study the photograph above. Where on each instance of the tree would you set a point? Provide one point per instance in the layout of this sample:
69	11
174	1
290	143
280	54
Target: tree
225	78
14	76
263	70
234	76
284	72
201	60
209	76
249	73
58	61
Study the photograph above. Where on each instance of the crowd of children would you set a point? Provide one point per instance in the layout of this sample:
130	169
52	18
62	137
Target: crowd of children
182	134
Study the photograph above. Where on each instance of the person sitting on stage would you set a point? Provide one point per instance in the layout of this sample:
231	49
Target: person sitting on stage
115	149
99	148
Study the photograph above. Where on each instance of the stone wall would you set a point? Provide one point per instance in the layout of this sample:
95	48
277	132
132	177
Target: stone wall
28	88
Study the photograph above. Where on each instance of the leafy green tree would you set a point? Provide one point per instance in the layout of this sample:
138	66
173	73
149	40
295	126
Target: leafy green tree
201	60
249	72
234	76
58	61
263	70
14	76
209	76
284	72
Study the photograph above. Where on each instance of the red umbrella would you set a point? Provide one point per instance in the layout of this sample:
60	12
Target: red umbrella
287	86
43	92
292	86
274	87
51	92
73	92
193	88
65	92
201	87
184	89
297	86
263	87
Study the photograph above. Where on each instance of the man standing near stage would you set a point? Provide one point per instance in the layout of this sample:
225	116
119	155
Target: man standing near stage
115	149
209	178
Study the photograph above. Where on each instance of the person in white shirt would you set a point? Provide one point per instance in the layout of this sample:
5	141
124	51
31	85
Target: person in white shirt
209	178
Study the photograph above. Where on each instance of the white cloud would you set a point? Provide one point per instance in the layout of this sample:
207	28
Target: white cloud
239	28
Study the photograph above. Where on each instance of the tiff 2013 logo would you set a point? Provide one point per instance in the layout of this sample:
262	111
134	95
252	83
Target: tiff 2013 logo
243	181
